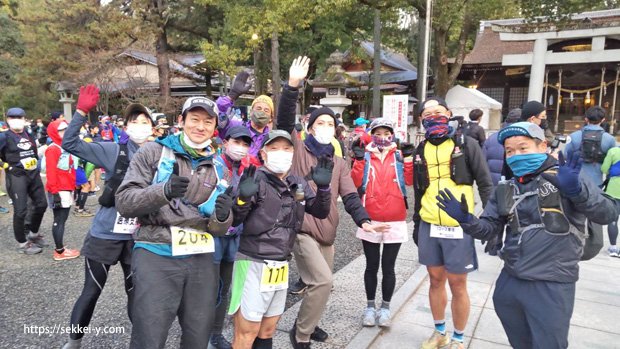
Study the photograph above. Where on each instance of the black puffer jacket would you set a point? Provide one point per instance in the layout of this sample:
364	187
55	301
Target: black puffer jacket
273	217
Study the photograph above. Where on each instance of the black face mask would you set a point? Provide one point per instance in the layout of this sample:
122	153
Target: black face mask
544	124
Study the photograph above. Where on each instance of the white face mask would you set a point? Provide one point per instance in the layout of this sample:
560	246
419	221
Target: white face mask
16	124
139	132
279	161
236	152
199	146
324	134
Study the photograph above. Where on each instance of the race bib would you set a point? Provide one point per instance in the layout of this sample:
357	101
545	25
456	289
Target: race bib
274	277
29	163
124	225
441	232
190	241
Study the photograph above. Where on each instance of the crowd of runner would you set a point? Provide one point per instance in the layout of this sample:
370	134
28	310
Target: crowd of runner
204	216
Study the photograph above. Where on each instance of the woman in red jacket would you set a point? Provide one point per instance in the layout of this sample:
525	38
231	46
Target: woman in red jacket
381	171
59	187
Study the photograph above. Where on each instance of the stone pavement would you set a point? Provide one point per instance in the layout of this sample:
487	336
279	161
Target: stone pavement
593	324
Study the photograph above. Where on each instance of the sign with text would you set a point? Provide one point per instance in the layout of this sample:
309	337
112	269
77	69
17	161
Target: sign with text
395	108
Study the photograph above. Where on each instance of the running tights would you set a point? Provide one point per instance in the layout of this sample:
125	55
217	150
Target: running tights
372	251
612	230
58	229
95	277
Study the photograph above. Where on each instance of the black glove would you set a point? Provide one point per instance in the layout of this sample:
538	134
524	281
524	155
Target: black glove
407	149
240	85
322	172
57	201
358	150
492	245
223	204
176	187
248	186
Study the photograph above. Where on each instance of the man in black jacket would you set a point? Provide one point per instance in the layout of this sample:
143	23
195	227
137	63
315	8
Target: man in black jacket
473	128
271	205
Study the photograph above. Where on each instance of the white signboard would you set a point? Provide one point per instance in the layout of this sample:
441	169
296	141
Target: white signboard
395	108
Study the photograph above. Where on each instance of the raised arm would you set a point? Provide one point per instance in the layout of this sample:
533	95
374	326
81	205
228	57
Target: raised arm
102	154
288	100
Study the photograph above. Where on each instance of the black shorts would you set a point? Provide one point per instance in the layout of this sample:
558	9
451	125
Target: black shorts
107	251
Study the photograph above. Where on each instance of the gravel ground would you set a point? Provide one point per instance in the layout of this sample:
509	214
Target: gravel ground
38	291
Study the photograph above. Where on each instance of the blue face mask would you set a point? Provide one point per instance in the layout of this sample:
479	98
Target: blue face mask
523	164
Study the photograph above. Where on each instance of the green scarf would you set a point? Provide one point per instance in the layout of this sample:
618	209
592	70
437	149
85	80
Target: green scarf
195	153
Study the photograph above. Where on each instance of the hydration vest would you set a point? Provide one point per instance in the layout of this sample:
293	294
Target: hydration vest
551	209
460	171
107	199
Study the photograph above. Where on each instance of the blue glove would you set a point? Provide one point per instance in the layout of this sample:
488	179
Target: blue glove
568	173
454	208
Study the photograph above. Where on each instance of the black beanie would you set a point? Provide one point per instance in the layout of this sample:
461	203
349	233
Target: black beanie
531	108
318	112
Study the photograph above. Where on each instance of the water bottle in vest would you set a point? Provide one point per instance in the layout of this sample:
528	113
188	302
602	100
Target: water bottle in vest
208	207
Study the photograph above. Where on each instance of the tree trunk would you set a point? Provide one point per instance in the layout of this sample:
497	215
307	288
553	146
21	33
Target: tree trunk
163	68
208	86
446	77
275	70
441	63
376	74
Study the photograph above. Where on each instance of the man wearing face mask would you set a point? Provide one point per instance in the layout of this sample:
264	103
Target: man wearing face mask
314	246
271	206
19	159
178	189
236	158
446	159
546	207
107	242
535	112
260	115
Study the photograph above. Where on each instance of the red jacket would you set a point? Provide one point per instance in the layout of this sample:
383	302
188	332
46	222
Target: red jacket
383	199
57	179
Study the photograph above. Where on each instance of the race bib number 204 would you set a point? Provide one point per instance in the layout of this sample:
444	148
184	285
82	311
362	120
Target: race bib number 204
190	241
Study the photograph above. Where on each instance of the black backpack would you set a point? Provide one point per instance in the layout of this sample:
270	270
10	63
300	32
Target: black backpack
591	146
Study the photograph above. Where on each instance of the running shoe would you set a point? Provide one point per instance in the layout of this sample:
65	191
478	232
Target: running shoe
218	341
97	188
29	248
2	193
436	341
456	345
4	210
384	317
92	193
66	254
73	344
613	251
370	317
37	239
83	213
298	287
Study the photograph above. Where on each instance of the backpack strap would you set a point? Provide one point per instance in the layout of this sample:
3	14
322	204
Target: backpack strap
366	172
400	175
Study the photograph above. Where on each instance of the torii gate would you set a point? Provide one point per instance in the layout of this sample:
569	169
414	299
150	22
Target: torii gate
540	57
